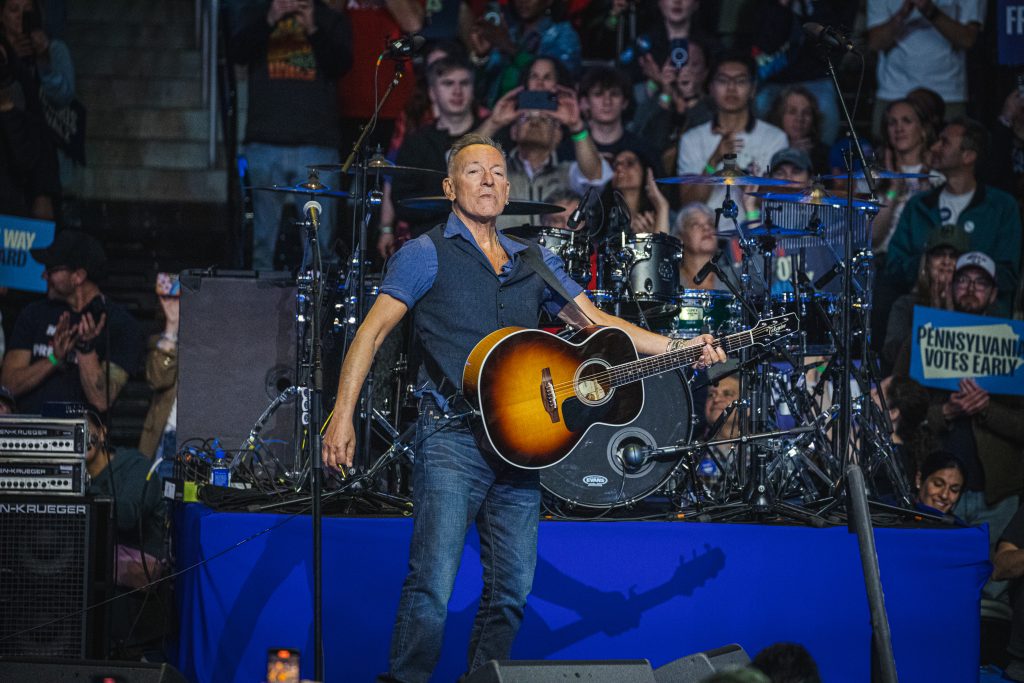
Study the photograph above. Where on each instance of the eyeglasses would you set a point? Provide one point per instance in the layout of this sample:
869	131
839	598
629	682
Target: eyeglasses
726	81
979	283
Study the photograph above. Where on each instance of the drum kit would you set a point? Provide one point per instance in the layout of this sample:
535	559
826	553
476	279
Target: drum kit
780	454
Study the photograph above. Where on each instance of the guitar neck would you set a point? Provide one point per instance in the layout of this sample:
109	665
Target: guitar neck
688	355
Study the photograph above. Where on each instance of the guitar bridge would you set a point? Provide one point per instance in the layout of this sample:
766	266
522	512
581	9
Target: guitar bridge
547	395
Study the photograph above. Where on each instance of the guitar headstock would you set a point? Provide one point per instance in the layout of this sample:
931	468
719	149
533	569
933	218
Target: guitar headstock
772	329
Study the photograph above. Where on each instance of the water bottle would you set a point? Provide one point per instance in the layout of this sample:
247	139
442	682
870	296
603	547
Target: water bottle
220	474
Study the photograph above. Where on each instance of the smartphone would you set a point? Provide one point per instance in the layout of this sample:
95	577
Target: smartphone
679	52
167	284
282	665
537	99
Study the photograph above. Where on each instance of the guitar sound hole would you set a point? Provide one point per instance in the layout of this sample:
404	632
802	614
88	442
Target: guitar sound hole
593	383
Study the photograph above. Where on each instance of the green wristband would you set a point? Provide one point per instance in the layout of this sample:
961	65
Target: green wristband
753	215
709	169
580	136
53	359
891	195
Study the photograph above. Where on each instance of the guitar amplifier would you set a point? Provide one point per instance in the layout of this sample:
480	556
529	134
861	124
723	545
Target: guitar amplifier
43	455
56	560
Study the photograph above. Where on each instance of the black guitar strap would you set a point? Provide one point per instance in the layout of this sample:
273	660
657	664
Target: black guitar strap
531	256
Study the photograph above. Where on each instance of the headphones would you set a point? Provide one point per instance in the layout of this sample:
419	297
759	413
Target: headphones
93	437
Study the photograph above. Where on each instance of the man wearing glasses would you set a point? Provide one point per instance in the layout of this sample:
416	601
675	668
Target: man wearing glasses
983	431
733	130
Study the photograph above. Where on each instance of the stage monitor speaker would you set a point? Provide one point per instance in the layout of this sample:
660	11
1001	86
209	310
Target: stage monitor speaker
694	668
236	354
56	559
88	672
527	671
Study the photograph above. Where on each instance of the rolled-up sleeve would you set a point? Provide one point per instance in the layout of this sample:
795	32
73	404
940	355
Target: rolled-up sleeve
411	271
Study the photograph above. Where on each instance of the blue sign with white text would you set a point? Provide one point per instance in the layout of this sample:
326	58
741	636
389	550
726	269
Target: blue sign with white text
947	347
1010	22
18	270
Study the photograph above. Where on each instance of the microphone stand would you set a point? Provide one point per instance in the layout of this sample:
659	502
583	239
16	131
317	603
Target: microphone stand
856	496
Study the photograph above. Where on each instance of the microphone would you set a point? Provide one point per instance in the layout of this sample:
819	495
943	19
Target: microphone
312	210
633	456
577	215
827	36
404	47
726	412
707	268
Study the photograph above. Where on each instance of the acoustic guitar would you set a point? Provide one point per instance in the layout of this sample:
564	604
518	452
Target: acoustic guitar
538	394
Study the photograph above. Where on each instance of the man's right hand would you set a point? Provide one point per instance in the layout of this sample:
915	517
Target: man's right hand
65	336
386	245
339	443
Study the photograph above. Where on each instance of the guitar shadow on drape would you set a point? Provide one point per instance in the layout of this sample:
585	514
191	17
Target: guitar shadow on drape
597	611
283	554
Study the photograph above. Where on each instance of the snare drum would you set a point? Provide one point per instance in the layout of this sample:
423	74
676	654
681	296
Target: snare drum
654	274
814	319
572	247
708	311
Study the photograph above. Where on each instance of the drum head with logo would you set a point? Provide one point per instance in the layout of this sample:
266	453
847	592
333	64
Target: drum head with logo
593	475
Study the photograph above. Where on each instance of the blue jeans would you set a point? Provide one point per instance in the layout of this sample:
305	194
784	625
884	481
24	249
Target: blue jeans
453	486
284	165
824	93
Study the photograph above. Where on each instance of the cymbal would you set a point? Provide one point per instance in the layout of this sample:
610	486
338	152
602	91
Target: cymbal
877	174
515	207
311	188
816	196
724	177
378	165
759	229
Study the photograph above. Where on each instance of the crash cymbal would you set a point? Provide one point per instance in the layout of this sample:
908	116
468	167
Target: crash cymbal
816	197
515	207
877	174
378	165
311	188
725	177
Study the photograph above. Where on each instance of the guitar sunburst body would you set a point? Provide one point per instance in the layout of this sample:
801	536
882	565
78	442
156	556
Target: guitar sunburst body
539	393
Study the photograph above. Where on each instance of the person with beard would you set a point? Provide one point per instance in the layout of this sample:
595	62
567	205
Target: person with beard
990	217
984	432
76	345
535	168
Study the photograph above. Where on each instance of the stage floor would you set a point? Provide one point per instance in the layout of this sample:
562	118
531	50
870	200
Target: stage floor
603	590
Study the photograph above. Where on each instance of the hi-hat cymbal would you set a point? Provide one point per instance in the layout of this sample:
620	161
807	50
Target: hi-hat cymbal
816	197
724	177
311	188
878	174
378	165
515	207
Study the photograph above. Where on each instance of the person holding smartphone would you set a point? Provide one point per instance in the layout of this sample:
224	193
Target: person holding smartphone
160	428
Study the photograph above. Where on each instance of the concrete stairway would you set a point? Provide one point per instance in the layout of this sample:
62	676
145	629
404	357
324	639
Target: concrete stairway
139	75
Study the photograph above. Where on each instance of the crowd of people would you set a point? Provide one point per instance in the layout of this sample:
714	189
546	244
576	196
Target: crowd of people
583	104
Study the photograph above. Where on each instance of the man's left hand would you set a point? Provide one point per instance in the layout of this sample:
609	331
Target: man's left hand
89	328
710	354
973	399
568	111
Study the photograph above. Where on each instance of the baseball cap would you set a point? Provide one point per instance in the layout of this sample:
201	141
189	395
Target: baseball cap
791	155
948	235
74	249
977	259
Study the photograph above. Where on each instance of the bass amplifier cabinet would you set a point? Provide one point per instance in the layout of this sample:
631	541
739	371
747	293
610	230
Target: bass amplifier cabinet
236	354
56	559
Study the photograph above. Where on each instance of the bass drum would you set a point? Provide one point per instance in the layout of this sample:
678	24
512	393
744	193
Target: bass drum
592	474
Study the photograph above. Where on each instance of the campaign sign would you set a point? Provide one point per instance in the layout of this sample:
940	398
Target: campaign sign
947	347
1010	22
18	270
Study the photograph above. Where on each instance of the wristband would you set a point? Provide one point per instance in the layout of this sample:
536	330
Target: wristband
753	215
53	359
709	169
612	21
85	346
580	136
386	230
652	86
891	195
665	98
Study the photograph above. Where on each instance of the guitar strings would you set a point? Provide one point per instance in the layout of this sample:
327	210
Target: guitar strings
659	363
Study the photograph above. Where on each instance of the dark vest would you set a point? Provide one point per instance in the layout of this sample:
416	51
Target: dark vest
466	303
